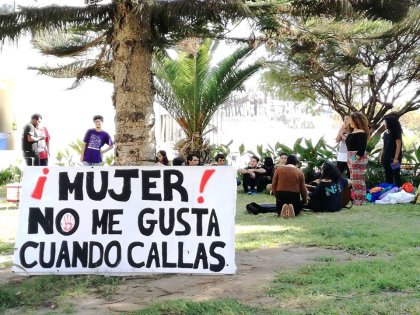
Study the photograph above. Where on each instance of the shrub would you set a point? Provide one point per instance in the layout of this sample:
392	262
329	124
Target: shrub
313	155
10	174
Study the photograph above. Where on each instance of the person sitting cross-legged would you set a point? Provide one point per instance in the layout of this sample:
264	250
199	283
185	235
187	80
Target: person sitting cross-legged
252	177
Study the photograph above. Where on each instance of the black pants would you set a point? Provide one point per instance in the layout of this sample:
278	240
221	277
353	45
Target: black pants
288	197
43	162
343	168
392	176
31	158
250	183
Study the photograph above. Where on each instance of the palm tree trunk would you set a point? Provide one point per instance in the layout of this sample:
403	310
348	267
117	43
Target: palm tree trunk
133	87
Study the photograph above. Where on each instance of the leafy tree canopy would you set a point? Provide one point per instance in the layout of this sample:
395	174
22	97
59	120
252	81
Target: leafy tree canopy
360	65
129	30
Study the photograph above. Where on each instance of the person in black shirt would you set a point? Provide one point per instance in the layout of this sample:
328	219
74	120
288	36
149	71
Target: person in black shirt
392	150
356	142
269	172
252	176
30	140
328	194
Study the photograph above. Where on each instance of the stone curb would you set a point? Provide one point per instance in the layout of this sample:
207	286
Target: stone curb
7	207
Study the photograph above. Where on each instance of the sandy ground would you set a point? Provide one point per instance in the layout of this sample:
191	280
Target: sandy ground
255	271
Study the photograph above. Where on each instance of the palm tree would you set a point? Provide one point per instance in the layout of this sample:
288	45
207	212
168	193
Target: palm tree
130	29
191	90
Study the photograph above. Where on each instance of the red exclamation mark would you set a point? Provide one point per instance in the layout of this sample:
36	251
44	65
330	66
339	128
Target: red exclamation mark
206	176
39	187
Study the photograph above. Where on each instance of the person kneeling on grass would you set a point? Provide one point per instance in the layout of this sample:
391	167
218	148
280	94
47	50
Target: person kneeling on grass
289	186
328	194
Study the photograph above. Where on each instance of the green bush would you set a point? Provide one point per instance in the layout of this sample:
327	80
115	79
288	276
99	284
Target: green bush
70	157
10	174
313	155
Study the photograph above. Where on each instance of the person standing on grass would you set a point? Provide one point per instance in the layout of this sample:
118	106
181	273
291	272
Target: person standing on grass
43	145
289	188
391	155
30	140
356	142
94	140
342	149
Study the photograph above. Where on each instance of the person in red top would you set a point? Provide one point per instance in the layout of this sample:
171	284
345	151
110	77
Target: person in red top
288	187
43	145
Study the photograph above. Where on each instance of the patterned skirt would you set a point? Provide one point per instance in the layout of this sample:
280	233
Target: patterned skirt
357	176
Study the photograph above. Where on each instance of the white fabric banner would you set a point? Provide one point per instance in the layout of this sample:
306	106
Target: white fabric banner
123	220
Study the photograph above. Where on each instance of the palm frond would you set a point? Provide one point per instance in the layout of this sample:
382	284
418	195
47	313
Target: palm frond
191	90
61	44
225	73
175	20
53	18
79	70
409	25
231	82
64	71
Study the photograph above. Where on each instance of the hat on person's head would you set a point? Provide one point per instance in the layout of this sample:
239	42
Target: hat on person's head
36	116
98	117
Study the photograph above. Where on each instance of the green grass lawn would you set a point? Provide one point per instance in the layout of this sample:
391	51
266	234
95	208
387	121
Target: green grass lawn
386	283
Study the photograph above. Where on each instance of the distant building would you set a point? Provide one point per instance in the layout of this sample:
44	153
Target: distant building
254	118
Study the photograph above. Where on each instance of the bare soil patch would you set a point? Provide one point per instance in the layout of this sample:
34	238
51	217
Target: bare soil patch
256	270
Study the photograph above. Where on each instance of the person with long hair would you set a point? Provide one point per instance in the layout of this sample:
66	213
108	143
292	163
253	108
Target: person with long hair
161	158
342	149
328	194
392	150
356	142
269	167
288	187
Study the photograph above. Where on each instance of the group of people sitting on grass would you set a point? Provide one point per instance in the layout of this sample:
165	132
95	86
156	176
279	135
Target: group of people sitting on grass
257	178
291	192
288	182
191	159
